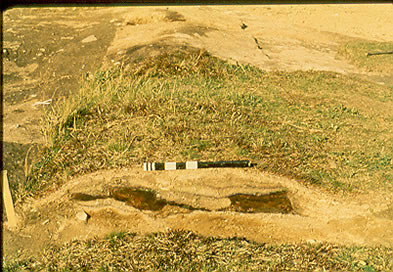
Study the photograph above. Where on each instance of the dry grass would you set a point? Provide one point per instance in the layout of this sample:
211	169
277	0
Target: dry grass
186	251
356	51
318	127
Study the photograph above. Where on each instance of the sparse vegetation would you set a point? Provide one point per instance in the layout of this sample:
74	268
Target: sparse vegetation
318	127
186	251
356	51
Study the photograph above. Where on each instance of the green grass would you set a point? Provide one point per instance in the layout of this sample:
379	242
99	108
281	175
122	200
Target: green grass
321	128
356	51
186	251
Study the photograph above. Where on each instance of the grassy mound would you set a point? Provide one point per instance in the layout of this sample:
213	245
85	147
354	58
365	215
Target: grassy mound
318	127
186	251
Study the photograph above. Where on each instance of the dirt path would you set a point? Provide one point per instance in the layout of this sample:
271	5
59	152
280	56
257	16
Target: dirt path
48	50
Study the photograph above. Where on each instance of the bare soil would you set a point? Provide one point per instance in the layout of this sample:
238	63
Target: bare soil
46	52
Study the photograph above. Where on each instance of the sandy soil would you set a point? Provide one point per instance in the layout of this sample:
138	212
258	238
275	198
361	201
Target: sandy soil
272	38
47	52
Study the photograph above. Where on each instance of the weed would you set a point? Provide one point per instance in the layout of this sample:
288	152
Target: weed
117	235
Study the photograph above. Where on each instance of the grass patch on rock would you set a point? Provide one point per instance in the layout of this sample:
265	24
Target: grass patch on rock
321	128
356	51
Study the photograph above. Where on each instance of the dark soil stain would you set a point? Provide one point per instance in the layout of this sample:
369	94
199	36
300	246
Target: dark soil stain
139	198
276	202
147	199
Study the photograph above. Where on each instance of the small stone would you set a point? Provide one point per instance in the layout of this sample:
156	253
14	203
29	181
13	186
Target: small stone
311	241
91	38
82	216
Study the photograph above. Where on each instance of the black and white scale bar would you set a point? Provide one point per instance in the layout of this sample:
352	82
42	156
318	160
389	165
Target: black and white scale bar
153	166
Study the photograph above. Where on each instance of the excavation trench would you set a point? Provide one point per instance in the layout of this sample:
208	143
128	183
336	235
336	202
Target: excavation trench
148	199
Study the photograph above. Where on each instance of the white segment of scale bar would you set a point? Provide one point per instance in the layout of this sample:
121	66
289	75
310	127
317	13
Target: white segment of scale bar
170	166
147	166
192	165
